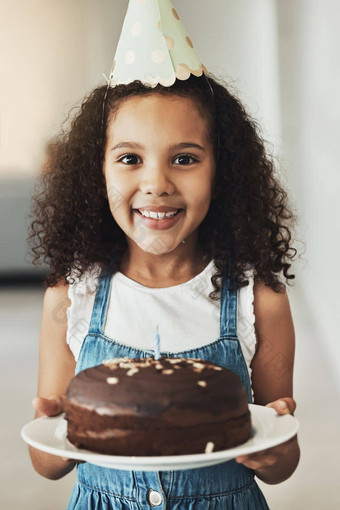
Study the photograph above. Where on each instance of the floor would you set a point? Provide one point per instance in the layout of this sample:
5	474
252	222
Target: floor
314	485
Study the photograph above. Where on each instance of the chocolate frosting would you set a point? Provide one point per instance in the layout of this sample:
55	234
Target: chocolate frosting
180	390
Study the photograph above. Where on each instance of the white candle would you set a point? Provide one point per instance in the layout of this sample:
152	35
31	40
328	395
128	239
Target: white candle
157	345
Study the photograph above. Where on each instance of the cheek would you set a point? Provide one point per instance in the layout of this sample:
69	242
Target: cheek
201	191
115	194
118	185
116	201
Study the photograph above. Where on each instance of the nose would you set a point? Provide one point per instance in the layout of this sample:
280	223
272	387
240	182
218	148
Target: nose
156	182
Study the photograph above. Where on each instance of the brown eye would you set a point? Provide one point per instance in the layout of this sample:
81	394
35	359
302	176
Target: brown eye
130	159
184	159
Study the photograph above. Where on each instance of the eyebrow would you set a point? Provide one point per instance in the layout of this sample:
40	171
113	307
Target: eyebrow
134	145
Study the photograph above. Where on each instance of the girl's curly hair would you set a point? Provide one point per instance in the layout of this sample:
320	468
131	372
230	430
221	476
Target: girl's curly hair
248	225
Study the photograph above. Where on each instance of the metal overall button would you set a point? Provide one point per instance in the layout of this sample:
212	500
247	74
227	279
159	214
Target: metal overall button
154	497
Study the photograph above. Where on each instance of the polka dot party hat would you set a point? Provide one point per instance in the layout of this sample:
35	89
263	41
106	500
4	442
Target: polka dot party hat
154	46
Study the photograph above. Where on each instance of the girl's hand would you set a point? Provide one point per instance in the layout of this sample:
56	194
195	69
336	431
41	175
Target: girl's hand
51	406
271	456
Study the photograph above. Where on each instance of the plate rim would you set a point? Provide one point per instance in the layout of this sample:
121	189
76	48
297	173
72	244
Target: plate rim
143	463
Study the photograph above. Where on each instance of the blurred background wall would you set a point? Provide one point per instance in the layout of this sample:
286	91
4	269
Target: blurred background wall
282	59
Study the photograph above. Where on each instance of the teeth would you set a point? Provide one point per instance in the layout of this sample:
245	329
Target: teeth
158	215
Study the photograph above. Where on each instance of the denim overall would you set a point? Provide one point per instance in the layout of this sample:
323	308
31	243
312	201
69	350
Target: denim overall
224	486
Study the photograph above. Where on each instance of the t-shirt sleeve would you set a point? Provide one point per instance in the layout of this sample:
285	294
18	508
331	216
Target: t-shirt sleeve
246	320
81	294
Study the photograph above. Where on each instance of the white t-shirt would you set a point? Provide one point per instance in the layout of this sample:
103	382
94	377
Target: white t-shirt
186	316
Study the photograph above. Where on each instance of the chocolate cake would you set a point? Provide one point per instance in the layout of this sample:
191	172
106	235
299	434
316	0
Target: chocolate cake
147	407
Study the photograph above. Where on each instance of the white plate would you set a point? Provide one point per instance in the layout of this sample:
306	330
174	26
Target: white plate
268	429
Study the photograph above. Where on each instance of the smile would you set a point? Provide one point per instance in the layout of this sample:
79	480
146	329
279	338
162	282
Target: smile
159	215
159	220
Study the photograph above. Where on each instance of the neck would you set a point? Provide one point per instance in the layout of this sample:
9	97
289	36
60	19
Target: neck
163	270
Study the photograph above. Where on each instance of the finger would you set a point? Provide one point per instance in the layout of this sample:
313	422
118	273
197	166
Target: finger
242	458
254	456
48	406
284	405
263	455
66	459
268	460
275	450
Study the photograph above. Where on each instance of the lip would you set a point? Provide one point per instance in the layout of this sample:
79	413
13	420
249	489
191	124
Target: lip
163	224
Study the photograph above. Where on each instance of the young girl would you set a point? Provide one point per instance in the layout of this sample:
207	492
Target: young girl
161	207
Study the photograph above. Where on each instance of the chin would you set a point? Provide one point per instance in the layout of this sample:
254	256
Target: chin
157	246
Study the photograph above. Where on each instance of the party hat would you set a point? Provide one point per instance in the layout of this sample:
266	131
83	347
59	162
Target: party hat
154	46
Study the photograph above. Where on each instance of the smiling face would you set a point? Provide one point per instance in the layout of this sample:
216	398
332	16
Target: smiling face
159	170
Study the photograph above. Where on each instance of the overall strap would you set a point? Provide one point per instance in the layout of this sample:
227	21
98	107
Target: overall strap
228	317
101	301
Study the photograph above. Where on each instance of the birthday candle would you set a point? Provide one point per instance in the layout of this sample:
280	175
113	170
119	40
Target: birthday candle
157	345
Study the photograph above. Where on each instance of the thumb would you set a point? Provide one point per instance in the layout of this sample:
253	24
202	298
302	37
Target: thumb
285	405
50	406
